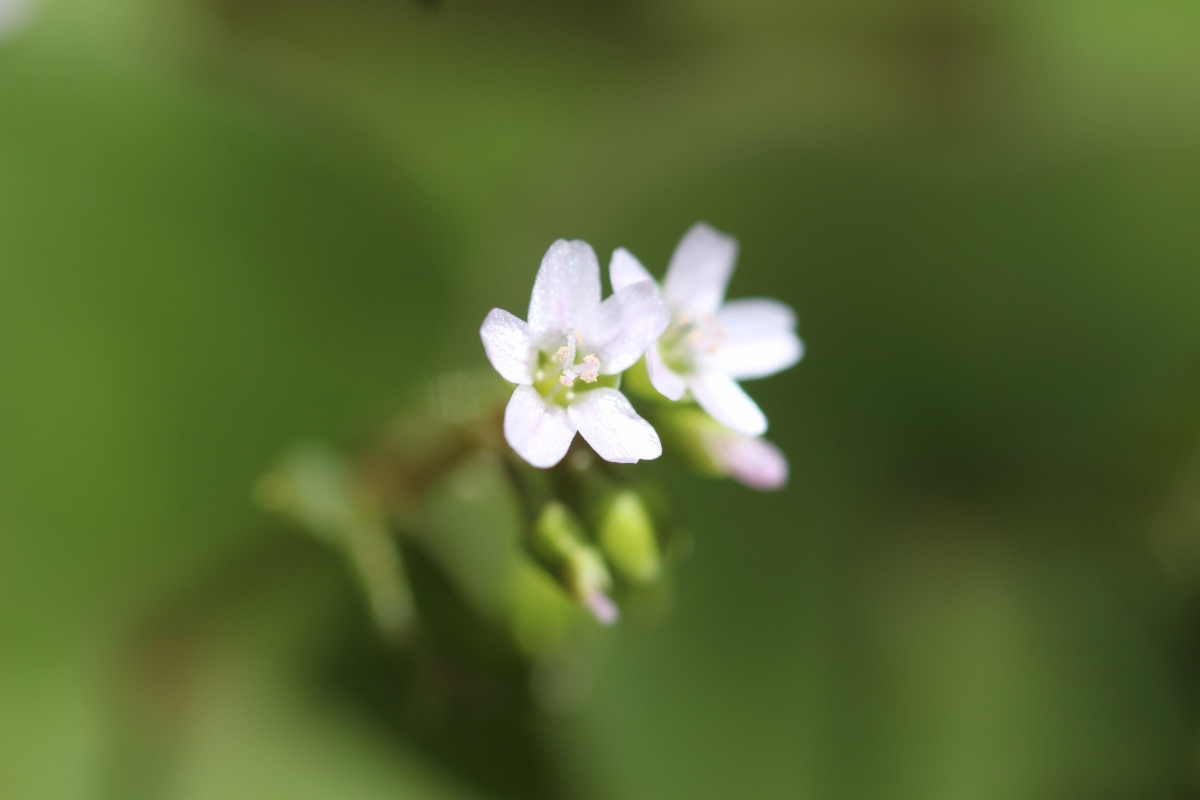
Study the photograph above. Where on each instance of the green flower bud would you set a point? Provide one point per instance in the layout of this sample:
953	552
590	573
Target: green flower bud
558	542
627	536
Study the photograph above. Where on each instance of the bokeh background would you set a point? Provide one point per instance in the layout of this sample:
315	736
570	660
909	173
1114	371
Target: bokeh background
230	225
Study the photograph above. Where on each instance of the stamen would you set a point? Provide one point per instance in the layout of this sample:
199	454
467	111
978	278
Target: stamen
591	369
565	355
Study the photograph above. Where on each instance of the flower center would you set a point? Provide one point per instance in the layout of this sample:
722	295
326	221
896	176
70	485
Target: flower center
687	336
557	375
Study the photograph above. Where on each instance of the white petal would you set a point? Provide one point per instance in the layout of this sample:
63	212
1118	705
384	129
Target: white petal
625	269
624	325
753	317
699	270
670	384
756	359
508	342
566	291
725	402
540	432
756	338
749	459
613	429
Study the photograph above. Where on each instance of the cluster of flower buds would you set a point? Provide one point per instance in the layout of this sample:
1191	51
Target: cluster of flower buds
585	532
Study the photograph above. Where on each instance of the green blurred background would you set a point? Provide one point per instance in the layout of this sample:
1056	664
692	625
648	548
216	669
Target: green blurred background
230	225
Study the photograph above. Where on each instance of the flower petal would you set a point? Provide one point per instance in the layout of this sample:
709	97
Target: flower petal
756	359
540	432
508	342
613	429
751	318
748	459
566	291
624	325
725	401
756	338
670	384
625	269
699	270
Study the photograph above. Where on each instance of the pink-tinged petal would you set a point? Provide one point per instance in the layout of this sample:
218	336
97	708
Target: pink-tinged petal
625	270
508	342
700	270
748	459
566	291
624	325
670	384
540	432
725	402
613	429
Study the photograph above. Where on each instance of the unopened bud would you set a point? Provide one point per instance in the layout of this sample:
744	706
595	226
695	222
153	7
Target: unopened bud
719	451
627	536
558	543
602	607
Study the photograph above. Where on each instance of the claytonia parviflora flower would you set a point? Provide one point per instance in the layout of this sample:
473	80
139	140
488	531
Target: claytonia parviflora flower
711	344
566	359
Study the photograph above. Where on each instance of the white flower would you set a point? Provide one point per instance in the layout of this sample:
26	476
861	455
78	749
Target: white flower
566	360
711	344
